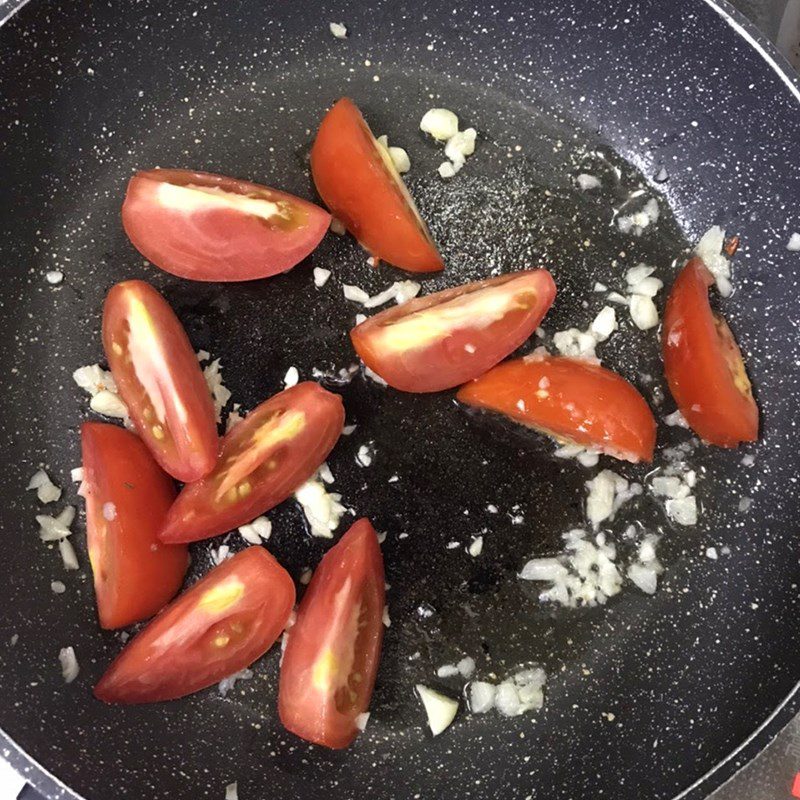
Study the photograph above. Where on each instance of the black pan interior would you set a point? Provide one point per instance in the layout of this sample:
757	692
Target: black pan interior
644	696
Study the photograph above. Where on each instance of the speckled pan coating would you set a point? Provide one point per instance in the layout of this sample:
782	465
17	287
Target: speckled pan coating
89	92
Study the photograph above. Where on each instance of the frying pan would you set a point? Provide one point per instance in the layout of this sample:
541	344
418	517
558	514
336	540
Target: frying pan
658	697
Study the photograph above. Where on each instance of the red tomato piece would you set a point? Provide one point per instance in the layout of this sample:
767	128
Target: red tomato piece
357	180
571	400
704	365
160	380
331	658
208	227
277	447
220	625
441	340
127	498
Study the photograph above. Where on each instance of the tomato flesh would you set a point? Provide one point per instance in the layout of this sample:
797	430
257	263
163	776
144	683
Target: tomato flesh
357	181
703	364
331	658
444	339
219	626
208	227
572	400
160	380
265	458
127	498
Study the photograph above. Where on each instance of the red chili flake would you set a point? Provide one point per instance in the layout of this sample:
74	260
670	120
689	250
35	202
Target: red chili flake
730	247
796	786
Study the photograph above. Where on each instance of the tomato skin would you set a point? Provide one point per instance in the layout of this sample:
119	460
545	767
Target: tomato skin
135	575
160	380
350	575
218	626
278	446
704	365
569	399
193	237
465	347
359	184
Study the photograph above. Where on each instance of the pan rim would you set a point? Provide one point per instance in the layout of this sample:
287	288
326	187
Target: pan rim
53	788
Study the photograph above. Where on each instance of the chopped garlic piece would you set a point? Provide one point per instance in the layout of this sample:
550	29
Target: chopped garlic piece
676	420
587	182
109	405
260	529
54	277
466	667
361	721
584	573
321	508
608	492
399	291
637	274
460	145
94	379
584	456
354	293
523	692
364	456
46	490
51	529
291	378
228	683
643	312
219	392
637	222
683	510
440	123
476	546
646	578
321	276
373	376
69	664
794	243
709	251
338	30
440	709
481	697
400	159
604	324
68	556
575	343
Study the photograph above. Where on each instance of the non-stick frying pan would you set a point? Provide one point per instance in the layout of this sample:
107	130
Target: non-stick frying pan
654	697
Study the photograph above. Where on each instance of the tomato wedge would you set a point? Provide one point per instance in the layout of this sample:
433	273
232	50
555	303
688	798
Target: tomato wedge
703	363
441	340
219	626
331	658
160	380
208	227
127	498
357	180
571	400
278	446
